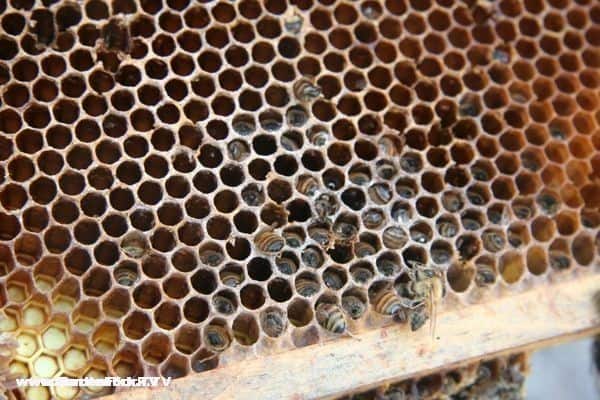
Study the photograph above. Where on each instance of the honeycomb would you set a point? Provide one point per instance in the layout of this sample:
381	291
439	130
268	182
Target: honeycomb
185	184
497	378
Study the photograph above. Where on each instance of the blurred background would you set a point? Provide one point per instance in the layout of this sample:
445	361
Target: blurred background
563	372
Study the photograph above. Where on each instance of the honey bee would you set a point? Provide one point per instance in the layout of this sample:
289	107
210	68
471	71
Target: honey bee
286	265
394	237
292	21
362	249
387	302
396	392
492	240
518	96
440	255
522	211
306	91
420	233
411	163
405	189
451	382
291	141
321	235
559	260
238	150
380	193
306	287
269	242
296	116
317	136
482	11
359	177
502	54
468	246
516	237
471	223
126	276
373	218
548	203
390	145
531	162
331	317
211	257
244	125
557	132
475	197
344	231
370	11
326	204
293	238
217	338
469	105
333	280
447	228
312	257
273	322
231	278
270	121
223	305
134	245
353	306
274	215
498	214
479	173
253	195
361	275
308	185
116	35
385	169
485	275
452	201
43	27
427	289
401	212
388	267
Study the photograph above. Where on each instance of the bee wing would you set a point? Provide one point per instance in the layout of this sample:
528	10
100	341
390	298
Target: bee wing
351	335
432	312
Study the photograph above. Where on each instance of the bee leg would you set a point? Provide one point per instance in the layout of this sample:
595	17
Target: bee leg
414	304
208	358
400	316
351	335
417	320
412	274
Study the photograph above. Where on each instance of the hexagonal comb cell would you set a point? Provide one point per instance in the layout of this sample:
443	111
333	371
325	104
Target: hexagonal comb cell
180	182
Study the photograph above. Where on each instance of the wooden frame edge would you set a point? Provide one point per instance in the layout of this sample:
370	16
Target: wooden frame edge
536	318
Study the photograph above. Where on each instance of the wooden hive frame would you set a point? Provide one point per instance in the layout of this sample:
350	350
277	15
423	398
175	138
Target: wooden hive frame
544	316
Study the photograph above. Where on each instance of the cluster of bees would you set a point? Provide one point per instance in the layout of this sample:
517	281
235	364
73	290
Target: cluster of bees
500	378
413	301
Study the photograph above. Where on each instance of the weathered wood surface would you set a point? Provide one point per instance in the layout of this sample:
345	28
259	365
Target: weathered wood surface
538	317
